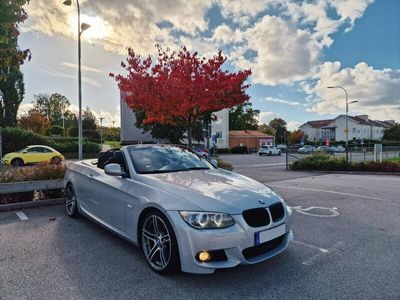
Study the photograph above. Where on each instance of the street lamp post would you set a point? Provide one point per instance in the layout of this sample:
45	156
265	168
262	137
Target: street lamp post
81	28
347	119
101	130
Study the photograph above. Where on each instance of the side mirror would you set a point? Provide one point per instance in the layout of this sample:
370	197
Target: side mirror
114	170
214	162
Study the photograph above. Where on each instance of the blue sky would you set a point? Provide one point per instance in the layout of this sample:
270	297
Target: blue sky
294	48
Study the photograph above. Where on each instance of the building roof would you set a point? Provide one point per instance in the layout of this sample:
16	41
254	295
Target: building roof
318	123
248	133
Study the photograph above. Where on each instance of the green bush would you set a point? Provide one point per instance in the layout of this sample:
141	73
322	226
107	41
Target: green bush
41	171
324	162
15	139
88	134
223	150
239	150
55	130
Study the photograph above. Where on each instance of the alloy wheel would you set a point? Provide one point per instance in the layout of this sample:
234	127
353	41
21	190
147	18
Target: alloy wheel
156	242
70	201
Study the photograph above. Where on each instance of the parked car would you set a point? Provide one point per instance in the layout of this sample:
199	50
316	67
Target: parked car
201	151
281	147
33	154
269	150
325	149
306	149
182	211
338	149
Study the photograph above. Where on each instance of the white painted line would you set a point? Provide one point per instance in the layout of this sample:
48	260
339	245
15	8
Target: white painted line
323	191
311	246
333	211
314	258
22	216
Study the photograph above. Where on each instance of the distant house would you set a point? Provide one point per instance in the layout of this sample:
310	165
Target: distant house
360	128
252	139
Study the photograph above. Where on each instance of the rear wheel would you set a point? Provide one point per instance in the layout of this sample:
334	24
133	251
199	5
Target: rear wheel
269	153
159	244
56	160
71	203
279	153
16	162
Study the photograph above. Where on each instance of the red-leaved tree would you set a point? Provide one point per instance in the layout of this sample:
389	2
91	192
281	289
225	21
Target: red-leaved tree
180	86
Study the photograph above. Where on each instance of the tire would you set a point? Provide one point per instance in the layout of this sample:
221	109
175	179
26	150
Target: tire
71	202
17	162
260	154
279	153
269	153
158	244
55	160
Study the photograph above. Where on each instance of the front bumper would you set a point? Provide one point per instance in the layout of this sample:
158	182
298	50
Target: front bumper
232	240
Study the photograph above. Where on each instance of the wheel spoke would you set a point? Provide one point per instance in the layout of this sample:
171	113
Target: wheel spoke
152	252
165	238
155	225
162	258
148	235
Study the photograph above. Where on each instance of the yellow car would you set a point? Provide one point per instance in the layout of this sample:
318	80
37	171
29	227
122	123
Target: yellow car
33	154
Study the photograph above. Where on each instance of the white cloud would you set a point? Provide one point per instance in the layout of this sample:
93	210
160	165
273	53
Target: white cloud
267	116
283	52
24	108
282	101
293	125
84	68
378	91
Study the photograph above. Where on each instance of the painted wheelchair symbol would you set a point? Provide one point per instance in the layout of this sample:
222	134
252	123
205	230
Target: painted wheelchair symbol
317	211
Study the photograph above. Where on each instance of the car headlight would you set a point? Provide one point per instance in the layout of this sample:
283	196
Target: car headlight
207	220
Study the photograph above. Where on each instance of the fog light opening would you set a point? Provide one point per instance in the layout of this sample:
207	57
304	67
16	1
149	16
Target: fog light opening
204	256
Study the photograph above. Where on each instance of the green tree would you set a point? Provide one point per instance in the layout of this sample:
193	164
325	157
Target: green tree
89	120
11	57
52	106
280	126
392	133
243	117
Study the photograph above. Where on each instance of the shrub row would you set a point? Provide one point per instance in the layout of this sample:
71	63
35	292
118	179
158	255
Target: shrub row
41	171
323	162
15	139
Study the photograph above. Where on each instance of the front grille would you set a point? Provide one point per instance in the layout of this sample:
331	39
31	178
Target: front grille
277	211
256	217
263	248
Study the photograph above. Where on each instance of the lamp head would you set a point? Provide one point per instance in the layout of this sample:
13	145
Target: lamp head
84	26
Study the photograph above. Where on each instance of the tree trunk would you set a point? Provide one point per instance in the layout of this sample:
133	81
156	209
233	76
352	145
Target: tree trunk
189	134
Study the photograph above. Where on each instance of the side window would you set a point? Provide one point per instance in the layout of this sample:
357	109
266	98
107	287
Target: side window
34	150
45	150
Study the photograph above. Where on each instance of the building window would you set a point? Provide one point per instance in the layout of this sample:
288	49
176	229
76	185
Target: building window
354	130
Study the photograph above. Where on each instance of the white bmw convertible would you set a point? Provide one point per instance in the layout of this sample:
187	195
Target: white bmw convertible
181	210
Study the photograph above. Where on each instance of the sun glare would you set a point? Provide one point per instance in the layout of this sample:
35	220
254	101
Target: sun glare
99	29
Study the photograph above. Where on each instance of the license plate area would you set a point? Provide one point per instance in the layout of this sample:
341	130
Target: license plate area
270	234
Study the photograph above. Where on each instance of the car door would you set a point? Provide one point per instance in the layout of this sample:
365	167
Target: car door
111	193
32	155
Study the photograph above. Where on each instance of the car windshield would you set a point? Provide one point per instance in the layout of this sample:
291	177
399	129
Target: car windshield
165	159
23	150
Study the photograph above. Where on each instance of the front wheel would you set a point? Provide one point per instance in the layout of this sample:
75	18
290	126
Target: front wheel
159	244
71	203
17	162
55	160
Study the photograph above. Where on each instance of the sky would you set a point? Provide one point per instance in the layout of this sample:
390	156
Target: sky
294	48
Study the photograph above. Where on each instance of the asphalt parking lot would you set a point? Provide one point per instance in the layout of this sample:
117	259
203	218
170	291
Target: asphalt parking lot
347	241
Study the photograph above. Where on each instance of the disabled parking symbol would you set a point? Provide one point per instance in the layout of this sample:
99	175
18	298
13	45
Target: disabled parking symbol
317	211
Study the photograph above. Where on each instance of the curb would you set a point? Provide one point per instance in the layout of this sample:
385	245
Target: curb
31	204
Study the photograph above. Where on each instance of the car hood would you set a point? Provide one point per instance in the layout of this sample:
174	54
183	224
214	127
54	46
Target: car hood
214	189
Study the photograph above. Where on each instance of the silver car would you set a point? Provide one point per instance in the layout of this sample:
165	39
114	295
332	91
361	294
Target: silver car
182	211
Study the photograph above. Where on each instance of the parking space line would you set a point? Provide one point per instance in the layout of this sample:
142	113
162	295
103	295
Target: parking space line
322	250
315	257
22	216
324	191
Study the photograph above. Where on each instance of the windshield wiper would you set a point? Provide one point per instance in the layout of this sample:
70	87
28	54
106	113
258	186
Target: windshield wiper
199	168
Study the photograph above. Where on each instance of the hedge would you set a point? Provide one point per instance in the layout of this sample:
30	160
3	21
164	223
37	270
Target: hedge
15	139
239	150
323	162
55	130
89	134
